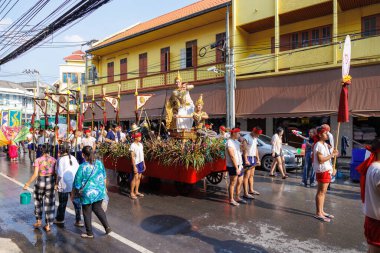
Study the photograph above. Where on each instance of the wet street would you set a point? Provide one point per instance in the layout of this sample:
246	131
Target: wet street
279	220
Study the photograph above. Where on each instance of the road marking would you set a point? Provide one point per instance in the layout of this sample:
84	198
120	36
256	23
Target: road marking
9	246
96	225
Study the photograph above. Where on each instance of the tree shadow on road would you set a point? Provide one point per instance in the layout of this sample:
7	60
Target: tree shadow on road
171	225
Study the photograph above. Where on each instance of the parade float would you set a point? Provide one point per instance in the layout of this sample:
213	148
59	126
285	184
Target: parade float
188	155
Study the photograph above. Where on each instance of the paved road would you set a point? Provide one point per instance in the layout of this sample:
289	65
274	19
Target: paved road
279	220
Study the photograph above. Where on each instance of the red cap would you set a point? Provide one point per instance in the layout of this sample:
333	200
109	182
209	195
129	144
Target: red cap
257	131
87	131
31	130
138	134
222	128
235	130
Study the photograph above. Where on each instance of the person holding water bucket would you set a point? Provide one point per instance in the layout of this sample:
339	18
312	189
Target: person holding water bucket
44	197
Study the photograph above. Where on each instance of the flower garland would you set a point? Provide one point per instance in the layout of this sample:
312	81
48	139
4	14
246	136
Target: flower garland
172	152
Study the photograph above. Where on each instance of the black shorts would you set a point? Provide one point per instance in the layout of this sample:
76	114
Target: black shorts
232	171
277	154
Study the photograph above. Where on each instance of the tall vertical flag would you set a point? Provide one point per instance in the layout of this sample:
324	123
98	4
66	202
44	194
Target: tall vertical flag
343	114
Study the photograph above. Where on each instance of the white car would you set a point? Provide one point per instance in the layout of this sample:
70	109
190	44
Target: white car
292	159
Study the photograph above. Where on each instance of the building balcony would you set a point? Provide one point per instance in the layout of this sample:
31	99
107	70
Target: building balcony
364	51
195	75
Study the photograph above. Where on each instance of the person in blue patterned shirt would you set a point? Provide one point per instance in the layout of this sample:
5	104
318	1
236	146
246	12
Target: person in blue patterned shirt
91	179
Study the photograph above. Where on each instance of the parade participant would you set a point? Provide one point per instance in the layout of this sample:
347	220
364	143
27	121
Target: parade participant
223	133
278	154
234	166
76	146
40	142
94	131
138	164
101	134
308	171
370	194
90	184
55	140
323	169
88	140
112	135
44	197
330	143
67	167
121	136
12	147
251	160
32	140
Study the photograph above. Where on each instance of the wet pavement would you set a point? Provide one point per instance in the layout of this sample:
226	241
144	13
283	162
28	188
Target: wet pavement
279	220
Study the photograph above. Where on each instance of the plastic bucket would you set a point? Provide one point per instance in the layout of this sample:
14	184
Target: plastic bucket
25	198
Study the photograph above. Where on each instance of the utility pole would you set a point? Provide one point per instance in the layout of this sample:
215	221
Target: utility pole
229	76
36	75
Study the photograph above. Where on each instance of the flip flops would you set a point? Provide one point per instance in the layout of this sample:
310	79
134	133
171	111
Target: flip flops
234	203
37	225
322	218
249	196
139	195
330	216
84	235
47	228
254	193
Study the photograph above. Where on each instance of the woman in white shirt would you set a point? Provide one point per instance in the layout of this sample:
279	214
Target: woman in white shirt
278	154
138	165
76	146
323	168
235	169
88	140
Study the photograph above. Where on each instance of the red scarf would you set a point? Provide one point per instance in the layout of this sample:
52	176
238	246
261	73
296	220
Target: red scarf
363	168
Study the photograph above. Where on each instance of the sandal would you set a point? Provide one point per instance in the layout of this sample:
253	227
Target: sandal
272	175
47	228
234	203
133	197
249	196
84	235
139	195
254	193
243	201
322	218
330	216
37	224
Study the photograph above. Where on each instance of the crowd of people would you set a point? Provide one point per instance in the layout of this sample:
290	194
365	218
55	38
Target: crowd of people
68	166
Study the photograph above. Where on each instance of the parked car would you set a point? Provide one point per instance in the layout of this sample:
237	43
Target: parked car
292	159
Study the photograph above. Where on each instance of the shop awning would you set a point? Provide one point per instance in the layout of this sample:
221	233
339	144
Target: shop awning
309	94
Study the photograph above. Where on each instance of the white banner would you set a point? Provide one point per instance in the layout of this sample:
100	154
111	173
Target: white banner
141	100
346	57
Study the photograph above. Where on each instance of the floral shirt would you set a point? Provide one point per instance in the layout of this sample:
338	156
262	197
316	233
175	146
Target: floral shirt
45	165
95	189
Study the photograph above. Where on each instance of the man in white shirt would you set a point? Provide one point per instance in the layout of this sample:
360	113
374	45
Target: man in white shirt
76	146
138	165
32	140
251	160
234	166
67	167
101	134
88	140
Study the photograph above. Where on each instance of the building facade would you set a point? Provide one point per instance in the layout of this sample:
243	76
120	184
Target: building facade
286	56
72	72
14	97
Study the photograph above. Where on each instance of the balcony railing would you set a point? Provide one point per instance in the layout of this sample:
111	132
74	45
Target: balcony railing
190	75
364	50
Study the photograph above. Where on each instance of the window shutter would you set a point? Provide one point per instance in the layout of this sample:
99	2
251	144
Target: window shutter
123	69
183	58
110	72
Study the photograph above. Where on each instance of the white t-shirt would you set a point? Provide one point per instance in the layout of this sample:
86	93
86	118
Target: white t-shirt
41	140
66	173
371	206
276	144
251	144
30	138
235	145
76	143
138	149
88	141
324	150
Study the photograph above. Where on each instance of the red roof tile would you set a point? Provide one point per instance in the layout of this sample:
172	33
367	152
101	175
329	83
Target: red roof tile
189	10
75	56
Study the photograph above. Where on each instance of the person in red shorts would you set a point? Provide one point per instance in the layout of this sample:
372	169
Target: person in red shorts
370	194
323	168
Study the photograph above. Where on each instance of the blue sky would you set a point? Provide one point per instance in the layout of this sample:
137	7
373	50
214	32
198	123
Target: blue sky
107	20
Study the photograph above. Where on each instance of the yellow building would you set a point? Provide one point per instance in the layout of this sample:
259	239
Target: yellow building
287	58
